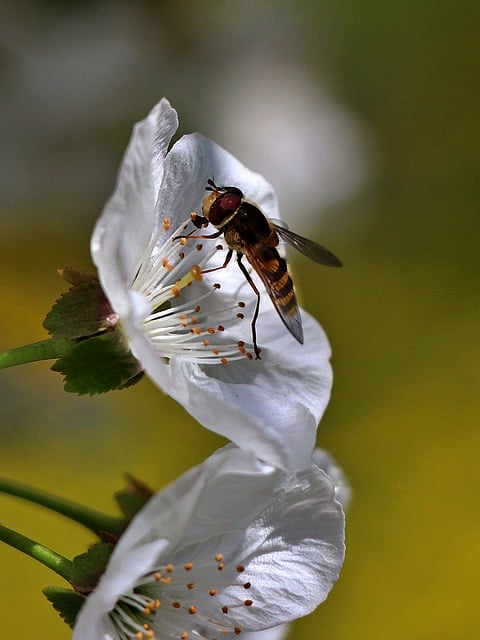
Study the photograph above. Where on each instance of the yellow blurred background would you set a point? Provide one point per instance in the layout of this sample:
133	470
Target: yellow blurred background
365	115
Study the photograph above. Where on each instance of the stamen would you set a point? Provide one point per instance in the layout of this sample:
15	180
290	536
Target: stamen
169	609
184	322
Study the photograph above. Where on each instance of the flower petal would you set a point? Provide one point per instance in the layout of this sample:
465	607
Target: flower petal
125	227
273	633
189	507
190	163
271	407
295	549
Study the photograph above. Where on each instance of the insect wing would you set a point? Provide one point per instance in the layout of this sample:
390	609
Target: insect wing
272	270
309	248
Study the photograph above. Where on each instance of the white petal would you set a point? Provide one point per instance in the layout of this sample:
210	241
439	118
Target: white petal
272	406
203	501
274	633
296	551
118	579
127	222
190	163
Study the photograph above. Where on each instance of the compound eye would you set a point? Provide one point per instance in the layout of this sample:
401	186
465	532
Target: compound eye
223	207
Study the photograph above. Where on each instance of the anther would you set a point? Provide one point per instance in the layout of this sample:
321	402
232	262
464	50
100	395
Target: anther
193	215
197	309
188	566
248	603
220	327
220	567
166	224
196	273
192	609
211	330
181	255
247	585
212	592
240	568
218	557
175	292
241	305
223	360
216	351
169	568
184	636
199	246
217	285
240	316
176	605
205	342
237	631
219	247
224	609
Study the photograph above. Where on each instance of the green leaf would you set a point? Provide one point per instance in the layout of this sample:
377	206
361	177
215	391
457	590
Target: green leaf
81	311
66	602
133	497
89	566
99	364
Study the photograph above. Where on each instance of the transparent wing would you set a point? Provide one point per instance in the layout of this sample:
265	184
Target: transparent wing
272	270
309	248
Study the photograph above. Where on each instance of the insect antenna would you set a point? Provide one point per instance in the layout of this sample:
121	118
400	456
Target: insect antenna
211	185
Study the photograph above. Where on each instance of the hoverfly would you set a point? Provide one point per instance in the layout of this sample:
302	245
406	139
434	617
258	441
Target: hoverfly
249	233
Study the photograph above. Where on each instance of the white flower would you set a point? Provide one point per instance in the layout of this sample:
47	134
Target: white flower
233	545
180	325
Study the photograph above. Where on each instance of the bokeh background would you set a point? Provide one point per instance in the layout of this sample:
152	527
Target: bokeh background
365	116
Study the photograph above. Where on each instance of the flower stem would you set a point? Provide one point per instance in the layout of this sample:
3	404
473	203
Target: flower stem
46	556
44	350
93	520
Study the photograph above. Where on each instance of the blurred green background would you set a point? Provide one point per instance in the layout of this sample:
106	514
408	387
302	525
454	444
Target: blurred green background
366	117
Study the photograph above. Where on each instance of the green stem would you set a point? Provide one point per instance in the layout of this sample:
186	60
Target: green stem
95	521
44	350
46	556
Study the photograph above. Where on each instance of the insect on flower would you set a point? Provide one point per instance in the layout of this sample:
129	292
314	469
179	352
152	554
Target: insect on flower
249	233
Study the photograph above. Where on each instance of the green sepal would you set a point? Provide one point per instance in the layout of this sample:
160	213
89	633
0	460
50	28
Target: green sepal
133	497
66	602
89	566
81	311
99	364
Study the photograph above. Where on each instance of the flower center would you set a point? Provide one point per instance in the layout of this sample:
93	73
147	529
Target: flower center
182	601
188	316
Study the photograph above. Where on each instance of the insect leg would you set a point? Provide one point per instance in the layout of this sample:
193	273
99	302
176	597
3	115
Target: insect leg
227	260
257	306
190	235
